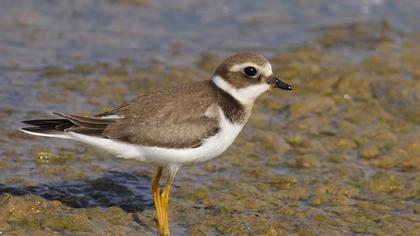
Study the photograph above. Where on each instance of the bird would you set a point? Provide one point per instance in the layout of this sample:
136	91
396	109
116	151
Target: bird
173	127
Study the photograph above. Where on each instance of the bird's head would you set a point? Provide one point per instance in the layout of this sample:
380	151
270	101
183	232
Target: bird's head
246	76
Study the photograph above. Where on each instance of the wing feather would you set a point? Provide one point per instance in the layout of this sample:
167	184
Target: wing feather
87	122
173	118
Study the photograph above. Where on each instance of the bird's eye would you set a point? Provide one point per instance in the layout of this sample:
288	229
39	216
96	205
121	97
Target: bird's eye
250	71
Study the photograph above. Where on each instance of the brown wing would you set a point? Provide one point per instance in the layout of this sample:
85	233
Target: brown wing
173	118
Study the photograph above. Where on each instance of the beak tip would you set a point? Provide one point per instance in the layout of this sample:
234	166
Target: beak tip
280	84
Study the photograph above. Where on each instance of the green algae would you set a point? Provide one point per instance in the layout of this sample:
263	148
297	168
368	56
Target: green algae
47	157
70	223
386	182
356	35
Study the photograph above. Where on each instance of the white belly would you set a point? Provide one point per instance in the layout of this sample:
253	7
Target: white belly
210	148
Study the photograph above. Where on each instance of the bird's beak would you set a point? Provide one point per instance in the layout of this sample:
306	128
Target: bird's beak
276	83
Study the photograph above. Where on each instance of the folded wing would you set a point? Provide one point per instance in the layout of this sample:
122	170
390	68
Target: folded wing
172	118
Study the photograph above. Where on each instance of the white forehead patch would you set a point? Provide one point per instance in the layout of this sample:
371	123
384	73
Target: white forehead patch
266	70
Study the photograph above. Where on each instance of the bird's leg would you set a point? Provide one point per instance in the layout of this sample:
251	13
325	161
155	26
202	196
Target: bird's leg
157	199
164	197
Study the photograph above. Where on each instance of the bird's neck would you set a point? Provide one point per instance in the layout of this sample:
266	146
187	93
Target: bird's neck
246	95
233	109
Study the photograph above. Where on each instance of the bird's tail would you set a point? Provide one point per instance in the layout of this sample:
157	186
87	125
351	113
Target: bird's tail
48	128
59	128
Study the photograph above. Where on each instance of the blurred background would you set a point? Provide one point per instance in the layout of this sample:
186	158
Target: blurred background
339	155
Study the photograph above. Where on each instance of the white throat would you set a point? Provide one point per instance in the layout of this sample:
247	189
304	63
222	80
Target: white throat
246	95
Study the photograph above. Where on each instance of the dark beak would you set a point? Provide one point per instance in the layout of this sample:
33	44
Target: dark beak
276	83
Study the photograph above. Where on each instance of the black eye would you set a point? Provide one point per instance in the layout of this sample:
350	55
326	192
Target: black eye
250	71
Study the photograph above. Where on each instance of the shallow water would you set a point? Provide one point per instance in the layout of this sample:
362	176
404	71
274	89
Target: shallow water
337	156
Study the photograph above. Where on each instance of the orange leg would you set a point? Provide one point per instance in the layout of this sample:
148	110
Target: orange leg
162	199
157	198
